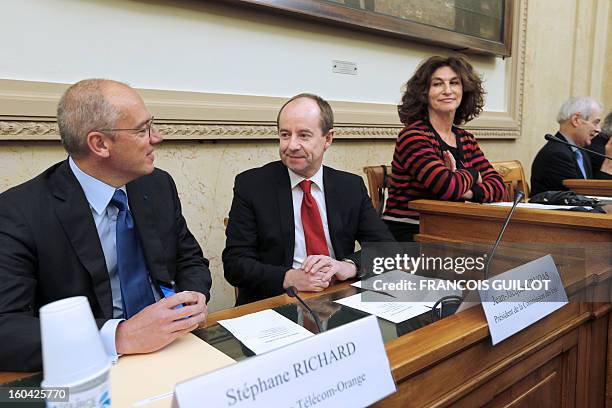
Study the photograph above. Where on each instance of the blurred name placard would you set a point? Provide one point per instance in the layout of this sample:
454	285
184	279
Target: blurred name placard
521	296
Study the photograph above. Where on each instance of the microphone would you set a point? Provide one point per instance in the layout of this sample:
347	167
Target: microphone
518	196
555	139
293	292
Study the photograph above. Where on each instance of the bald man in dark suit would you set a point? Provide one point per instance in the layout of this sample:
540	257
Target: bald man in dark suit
104	224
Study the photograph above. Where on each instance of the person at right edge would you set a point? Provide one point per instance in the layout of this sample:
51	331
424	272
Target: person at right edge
579	121
602	144
434	158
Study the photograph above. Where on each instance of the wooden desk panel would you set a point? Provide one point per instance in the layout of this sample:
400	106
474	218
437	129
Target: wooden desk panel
470	222
609	362
590	187
554	374
6	376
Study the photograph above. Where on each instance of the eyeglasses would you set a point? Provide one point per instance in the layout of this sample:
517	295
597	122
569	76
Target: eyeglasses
146	130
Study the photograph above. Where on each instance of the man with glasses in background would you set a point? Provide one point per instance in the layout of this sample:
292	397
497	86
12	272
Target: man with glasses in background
104	224
579	121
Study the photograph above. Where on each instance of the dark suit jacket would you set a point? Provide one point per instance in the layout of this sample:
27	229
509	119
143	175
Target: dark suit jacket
261	232
50	250
554	163
598	144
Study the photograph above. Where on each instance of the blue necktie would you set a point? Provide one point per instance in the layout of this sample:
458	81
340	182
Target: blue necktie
580	161
133	275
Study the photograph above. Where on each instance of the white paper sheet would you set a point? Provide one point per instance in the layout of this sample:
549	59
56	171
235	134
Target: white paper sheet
378	305
537	206
264	331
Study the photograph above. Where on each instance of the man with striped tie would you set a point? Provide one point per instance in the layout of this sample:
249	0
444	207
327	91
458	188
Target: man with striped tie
579	121
294	222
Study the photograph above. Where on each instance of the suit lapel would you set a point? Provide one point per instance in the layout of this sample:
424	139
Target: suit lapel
333	205
285	211
585	158
141	206
74	214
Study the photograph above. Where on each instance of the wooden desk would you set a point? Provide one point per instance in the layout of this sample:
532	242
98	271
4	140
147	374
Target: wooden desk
469	222
270	303
601	188
559	361
557	380
6	376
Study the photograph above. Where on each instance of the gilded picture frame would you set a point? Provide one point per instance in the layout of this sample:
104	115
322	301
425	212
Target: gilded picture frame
469	26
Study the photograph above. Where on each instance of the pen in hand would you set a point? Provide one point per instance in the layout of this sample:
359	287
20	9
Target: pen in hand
169	290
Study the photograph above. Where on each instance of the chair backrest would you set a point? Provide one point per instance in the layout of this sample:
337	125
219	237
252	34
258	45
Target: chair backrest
514	178
378	181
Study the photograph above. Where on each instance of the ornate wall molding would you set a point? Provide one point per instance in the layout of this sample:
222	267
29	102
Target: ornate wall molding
43	130
520	69
28	130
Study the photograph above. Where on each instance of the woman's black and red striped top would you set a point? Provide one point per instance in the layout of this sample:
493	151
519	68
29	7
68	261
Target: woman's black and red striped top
418	170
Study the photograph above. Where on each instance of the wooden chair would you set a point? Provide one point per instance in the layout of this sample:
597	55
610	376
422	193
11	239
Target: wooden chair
511	171
378	181
514	178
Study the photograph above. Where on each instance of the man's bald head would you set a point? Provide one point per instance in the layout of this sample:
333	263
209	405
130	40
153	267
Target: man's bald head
84	108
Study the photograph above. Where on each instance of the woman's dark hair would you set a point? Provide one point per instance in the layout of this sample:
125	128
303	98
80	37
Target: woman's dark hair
415	99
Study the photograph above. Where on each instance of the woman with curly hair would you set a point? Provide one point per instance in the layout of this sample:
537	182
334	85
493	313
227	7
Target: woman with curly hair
433	157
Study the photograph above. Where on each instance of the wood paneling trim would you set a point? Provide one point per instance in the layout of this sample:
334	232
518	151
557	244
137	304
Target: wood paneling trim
552	360
590	187
457	374
544	217
7	376
602	310
609	364
527	359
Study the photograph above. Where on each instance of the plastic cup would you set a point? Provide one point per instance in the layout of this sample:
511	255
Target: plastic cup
73	353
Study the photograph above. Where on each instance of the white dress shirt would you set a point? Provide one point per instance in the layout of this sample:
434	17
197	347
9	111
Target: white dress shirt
318	193
99	195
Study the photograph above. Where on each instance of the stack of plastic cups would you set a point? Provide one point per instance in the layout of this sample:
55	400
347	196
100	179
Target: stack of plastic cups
73	354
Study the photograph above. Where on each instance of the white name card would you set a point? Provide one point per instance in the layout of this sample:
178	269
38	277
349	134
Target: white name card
521	296
344	367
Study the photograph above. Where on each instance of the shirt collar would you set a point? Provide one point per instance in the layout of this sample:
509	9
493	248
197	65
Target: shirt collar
570	141
296	179
98	193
